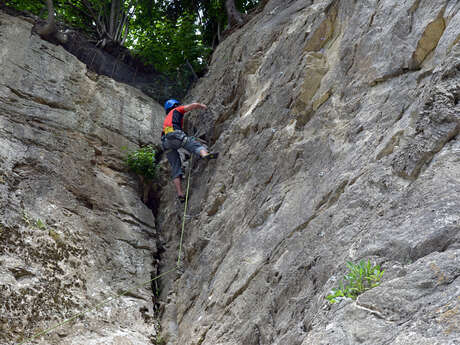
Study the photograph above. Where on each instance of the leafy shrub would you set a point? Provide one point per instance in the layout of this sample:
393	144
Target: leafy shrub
143	162
361	277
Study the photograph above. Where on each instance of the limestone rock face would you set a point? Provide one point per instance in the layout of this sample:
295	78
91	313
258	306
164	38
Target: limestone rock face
337	124
73	229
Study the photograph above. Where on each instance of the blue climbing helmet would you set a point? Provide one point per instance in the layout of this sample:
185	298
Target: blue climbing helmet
171	103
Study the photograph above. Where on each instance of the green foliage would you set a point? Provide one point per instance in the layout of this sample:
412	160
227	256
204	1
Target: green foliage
39	224
143	162
166	34
167	44
171	34
361	277
74	14
33	223
32	6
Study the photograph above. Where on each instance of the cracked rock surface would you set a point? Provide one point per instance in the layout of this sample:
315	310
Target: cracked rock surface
337	124
73	229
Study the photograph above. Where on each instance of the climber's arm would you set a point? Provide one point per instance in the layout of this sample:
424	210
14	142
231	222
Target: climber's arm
193	106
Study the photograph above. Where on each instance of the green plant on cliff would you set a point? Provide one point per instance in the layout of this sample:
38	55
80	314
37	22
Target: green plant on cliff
39	224
143	162
361	277
33	223
26	218
159	340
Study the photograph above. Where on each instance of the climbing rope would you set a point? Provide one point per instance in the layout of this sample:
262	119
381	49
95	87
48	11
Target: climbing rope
115	297
185	211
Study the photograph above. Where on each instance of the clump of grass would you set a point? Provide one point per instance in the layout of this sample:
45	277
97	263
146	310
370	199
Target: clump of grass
39	224
143	162
33	223
361	277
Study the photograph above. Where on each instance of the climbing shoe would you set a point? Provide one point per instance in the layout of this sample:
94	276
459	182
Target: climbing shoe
181	198
211	155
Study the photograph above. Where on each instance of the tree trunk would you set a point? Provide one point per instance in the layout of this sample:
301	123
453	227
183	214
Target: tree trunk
125	33
234	16
114	18
49	30
219	33
191	69
122	26
50	26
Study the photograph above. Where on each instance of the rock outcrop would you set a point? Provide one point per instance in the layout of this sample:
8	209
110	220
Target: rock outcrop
73	229
337	123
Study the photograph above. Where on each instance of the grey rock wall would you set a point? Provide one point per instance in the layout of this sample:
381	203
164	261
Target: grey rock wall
73	230
337	123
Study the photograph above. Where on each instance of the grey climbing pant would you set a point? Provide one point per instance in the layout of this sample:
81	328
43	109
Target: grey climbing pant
172	142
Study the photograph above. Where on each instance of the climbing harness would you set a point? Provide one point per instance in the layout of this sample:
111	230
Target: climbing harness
132	292
168	129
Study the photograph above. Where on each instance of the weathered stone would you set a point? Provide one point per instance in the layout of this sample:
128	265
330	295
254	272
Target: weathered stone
73	230
337	126
332	150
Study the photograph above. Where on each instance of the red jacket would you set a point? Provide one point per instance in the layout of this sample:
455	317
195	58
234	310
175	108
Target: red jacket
174	120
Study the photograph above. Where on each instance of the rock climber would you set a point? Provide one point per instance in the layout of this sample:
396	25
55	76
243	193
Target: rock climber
173	138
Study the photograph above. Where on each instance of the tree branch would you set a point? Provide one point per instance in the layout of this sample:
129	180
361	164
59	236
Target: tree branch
191	69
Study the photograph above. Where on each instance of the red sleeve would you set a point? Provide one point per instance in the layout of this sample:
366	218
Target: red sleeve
180	109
